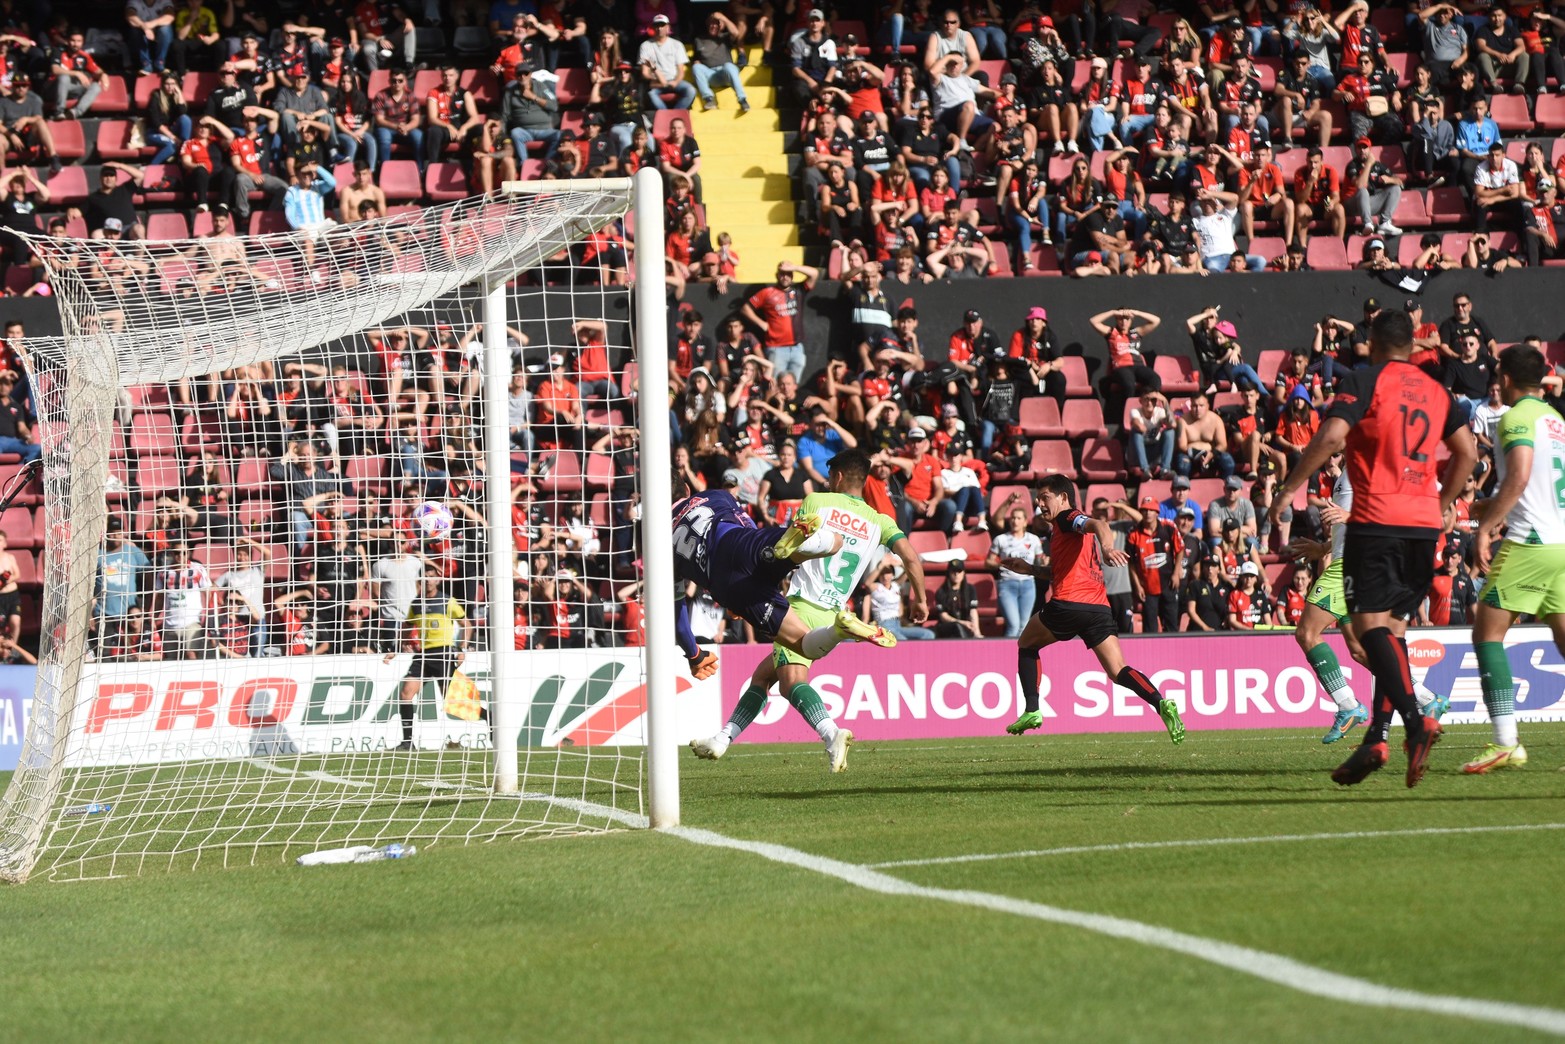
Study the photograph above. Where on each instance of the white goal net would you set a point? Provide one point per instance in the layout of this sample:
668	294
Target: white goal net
297	491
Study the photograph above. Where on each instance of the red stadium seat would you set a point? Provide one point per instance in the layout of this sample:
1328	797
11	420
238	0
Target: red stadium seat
485	87
1103	460
600	471
574	87
1447	206
141	93
399	179
1455	243
1327	254
1039	415
164	225
19	528
152	433
1112	491
1411	212
68	187
1269	362
113	142
1510	112
69	141
1550	112
1083	418
198	87
445	181
976	544
1268	247
157	474
1049	457
1074	367
1179	374
113	100
1000	495
564	473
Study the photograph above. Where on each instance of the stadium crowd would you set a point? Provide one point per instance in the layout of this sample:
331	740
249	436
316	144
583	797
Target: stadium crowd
1096	138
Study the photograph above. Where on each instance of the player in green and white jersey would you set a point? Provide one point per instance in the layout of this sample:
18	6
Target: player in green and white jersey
1327	605
1527	573
820	592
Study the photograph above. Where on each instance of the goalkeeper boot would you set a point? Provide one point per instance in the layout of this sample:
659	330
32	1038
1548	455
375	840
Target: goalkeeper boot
1345	722
837	750
1417	746
850	626
1169	712
405	745
711	748
1495	756
1026	723
1366	758
1437	707
801	529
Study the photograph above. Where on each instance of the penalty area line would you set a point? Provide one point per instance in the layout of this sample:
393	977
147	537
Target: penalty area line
283	770
1213	842
1270	967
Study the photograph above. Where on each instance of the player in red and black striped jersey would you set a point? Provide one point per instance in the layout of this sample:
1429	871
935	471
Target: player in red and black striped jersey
1389	420
1078	606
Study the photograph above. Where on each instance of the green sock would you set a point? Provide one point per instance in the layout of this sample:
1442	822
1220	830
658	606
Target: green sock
1499	690
750	703
1329	670
807	702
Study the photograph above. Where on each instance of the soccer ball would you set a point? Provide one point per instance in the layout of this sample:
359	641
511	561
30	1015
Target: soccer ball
434	519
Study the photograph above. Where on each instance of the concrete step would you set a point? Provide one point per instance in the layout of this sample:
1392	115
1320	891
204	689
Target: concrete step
751	210
761	99
760	236
768	188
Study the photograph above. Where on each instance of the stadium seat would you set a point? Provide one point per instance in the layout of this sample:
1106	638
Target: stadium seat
1039	415
112	139
166	225
27	573
198	87
267	222
1290	163
1402	64
444	182
1113	491
113	100
484	85
1158	489
1327	254
19	279
152	433
1045	261
1455	243
600	471
31	494
1268	247
1411	213
1356	245
69	141
399	179
1002	259
369	469
1510	112
18	526
1550	112
472	42
1179	374
1268	363
1408	248
976	544
1083	418
564	472
1447	206
1205	490
1391	23
157	474
69	187
574	88
1049	457
1267	69
426	80
143	89
1102	460
253	478
925	541
1077	386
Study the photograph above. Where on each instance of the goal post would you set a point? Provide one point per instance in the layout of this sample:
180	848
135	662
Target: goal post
129	765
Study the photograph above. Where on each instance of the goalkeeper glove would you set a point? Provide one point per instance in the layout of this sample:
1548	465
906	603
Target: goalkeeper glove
703	664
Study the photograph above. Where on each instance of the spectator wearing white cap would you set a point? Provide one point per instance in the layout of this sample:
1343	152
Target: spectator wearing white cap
663	62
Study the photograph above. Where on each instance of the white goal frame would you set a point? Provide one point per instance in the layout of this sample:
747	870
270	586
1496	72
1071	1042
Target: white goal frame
85	369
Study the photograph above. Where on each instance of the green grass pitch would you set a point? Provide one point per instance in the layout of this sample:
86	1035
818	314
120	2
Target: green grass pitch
640	936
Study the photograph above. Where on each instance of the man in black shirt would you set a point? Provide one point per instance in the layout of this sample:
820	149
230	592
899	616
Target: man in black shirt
1206	597
871	155
925	145
228	101
1469	374
1101	229
115	200
869	312
1462	322
956	606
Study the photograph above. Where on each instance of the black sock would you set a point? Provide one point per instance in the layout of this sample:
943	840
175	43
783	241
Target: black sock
1027	671
406	711
1387	656
1139	684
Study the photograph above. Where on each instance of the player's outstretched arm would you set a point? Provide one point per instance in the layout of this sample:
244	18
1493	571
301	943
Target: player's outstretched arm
703	664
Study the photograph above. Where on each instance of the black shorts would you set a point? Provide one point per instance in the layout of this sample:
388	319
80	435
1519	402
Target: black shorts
1387	574
10	603
1068	620
433	664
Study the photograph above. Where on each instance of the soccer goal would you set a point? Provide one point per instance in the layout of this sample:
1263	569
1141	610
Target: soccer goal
341	537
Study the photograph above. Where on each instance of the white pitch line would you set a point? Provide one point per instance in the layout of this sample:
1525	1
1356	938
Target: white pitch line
281	770
1282	971
1211	842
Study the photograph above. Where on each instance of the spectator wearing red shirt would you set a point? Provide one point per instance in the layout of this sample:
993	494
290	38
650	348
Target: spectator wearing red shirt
679	154
1317	194
1246	601
1267	193
779	311
1035	345
77	76
197	161
1128	369
923	492
1542	226
596	379
558	406
1156	569
1290	607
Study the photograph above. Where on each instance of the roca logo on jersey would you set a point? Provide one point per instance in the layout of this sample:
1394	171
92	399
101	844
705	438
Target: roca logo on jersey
839	519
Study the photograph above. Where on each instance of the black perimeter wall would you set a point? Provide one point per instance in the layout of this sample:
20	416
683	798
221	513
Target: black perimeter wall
1270	310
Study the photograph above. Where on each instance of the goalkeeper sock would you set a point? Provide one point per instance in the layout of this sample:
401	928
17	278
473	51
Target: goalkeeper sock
1329	670
1139	684
1423	694
819	642
750	703
807	702
1499	690
405	711
1027	674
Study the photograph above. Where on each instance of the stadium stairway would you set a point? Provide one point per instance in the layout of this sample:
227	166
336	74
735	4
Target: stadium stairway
744	175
